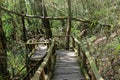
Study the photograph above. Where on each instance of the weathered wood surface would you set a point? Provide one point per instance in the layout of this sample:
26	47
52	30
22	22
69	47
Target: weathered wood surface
39	53
67	67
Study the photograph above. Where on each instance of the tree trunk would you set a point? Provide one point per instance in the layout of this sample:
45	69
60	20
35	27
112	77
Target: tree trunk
46	23
24	29
69	25
3	54
23	10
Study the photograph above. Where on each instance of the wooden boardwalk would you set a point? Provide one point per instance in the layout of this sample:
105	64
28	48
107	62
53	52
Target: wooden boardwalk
67	67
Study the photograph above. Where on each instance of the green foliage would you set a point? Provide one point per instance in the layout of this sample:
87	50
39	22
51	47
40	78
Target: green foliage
16	57
7	29
57	28
1	78
7	25
117	50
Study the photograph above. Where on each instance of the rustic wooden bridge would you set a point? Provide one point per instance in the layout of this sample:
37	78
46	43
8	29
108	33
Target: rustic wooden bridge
48	61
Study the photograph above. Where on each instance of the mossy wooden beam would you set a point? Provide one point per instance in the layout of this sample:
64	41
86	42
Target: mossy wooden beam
93	66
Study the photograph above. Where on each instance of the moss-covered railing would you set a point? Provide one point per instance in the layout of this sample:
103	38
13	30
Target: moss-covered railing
31	47
86	60
44	68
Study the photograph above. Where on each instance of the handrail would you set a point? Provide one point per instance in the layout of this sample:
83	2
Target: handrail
32	70
47	61
41	64
31	48
18	72
38	43
84	54
30	45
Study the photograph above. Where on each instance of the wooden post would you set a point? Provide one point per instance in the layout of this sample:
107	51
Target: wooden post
27	60
42	75
73	42
78	49
84	60
24	30
69	25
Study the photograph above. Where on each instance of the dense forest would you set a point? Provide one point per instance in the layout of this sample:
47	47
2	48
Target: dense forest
95	23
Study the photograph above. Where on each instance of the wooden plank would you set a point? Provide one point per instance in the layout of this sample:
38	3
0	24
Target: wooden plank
67	67
37	55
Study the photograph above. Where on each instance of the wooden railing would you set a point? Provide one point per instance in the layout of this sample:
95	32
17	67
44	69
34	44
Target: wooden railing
43	69
30	50
31	47
31	71
84	57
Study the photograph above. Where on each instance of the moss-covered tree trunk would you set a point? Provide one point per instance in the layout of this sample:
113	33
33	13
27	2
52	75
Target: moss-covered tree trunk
23	10
46	23
3	54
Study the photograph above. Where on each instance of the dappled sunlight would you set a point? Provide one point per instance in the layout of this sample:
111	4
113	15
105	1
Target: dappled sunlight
42	46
